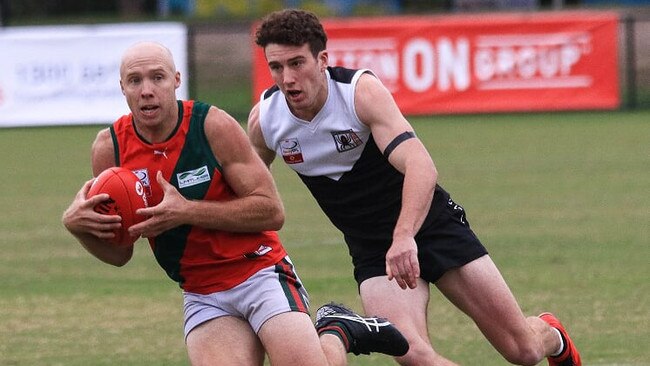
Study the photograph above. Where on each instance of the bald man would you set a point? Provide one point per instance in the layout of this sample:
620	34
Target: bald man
211	224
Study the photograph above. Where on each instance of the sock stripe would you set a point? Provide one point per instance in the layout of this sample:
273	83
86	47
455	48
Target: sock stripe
337	331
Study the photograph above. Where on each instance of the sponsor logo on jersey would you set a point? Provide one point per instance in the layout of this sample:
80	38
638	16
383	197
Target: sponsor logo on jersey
346	140
143	175
291	152
263	249
193	177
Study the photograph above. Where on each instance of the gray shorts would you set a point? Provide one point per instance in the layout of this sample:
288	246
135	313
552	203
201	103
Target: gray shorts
271	291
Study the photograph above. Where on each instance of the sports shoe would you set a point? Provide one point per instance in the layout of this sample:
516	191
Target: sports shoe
570	356
359	334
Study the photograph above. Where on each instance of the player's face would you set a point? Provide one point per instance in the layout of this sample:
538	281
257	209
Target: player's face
149	81
300	76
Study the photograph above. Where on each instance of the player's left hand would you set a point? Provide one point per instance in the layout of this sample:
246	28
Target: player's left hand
402	262
162	217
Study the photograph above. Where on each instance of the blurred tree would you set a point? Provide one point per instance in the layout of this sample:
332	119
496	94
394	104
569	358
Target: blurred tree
419	6
37	9
4	13
223	8
166	8
131	8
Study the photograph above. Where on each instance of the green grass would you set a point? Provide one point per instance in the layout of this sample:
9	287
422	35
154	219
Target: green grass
560	200
236	99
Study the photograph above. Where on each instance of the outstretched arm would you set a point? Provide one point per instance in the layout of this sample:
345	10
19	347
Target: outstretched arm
376	108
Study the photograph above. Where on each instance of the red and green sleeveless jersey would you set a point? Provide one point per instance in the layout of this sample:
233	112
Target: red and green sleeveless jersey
200	260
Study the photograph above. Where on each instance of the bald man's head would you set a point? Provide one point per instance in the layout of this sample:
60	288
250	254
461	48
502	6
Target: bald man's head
149	80
147	52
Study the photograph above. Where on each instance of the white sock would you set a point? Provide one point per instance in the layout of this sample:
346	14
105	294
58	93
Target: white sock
559	350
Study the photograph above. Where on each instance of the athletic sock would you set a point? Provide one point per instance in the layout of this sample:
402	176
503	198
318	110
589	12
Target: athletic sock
337	329
562	343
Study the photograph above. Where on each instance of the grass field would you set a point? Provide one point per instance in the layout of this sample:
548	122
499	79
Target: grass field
562	201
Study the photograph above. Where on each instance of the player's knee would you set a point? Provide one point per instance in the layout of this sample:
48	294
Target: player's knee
524	354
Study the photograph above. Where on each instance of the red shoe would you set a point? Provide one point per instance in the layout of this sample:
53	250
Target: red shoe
570	355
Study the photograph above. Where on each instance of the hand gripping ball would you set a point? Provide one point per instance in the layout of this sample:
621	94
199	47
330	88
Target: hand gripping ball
126	195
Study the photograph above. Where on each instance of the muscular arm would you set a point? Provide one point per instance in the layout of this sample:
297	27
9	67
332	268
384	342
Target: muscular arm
377	109
257	139
89	227
257	206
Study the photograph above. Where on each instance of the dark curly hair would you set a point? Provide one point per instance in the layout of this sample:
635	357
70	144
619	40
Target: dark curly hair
292	27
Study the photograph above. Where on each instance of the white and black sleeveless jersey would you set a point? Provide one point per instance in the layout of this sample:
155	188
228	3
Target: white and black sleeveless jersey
336	157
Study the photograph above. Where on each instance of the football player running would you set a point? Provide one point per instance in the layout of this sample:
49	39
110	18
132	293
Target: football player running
342	132
211	225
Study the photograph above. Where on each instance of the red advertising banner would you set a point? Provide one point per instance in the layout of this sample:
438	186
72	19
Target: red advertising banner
480	63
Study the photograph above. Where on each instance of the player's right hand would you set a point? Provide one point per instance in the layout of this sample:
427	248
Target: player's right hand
402	262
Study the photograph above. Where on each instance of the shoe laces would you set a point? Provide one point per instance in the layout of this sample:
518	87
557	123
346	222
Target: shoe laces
370	323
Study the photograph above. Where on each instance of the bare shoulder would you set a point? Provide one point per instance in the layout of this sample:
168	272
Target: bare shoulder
254	127
220	122
254	118
103	152
226	136
103	138
256	137
373	101
368	83
254	115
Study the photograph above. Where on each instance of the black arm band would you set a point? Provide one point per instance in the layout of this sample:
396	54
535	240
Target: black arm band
398	140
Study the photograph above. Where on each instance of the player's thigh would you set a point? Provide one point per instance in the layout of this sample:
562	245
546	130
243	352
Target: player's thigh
225	340
407	309
291	339
479	290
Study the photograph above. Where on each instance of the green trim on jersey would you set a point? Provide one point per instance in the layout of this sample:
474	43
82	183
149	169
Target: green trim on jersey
196	153
116	147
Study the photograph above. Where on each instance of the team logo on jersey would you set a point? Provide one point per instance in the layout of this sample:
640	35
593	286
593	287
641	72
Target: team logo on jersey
346	140
143	175
291	152
193	177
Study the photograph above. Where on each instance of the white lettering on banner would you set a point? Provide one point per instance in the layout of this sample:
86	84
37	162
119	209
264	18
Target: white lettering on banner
452	64
531	61
420	64
497	62
419	49
377	54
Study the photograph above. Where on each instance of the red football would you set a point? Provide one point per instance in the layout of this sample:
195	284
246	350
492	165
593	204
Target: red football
126	196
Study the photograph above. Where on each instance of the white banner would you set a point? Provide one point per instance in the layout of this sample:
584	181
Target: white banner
57	75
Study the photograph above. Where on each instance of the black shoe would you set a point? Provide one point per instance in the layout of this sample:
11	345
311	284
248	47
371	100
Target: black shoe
363	335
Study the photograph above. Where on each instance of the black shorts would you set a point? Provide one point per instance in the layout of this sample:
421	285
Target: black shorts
447	242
